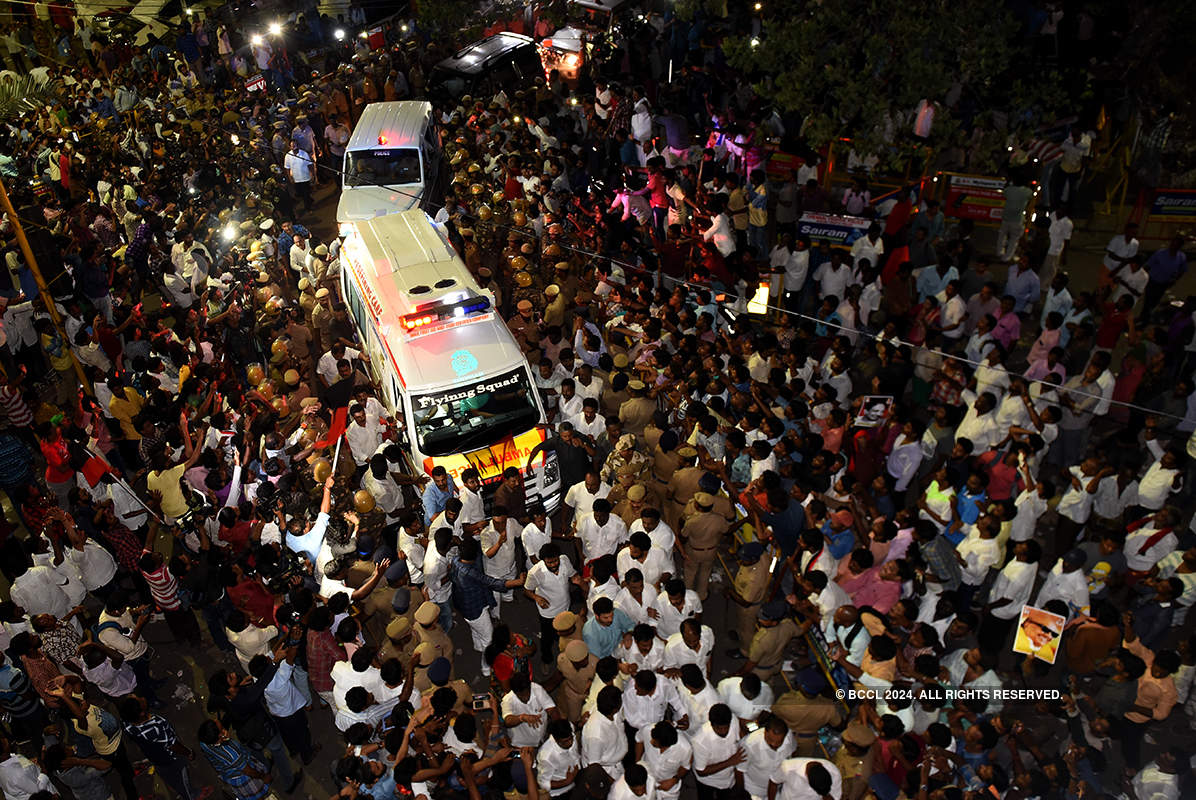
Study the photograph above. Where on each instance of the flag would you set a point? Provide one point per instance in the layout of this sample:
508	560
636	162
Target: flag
94	469
340	421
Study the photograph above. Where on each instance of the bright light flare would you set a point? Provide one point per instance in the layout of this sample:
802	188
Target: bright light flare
754	42
339	33
275	28
255	39
229	233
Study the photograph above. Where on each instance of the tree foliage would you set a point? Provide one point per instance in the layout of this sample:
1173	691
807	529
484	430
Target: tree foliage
859	68
26	93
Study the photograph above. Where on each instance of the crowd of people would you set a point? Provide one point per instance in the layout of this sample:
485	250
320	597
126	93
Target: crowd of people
797	537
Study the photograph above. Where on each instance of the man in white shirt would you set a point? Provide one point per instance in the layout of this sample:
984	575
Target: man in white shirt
636	598
326	366
473	507
978	553
716	750
634	784
646	698
979	424
1010	592
364	435
498	546
1067	582
954	313
764	750
806	779
833	276
653	563
581	496
693	644
1058	234
905	457
535	534
674	605
438	586
603	738
558	760
667	756
526	710
413	543
601	533
746	696
1149	539
589	422
547	585
301	170
21	778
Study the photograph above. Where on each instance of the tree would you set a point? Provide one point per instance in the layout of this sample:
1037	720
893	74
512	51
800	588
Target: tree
860	68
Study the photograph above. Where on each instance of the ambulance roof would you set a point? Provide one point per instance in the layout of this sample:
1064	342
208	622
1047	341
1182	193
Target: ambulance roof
409	267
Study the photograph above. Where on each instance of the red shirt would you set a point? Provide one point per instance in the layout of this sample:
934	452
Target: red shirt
252	597
237	536
58	462
323	651
659	194
1002	478
1112	326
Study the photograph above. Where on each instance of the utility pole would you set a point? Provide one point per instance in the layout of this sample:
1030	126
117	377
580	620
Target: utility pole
47	298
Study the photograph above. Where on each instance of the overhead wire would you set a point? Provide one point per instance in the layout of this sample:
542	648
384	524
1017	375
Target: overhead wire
846	329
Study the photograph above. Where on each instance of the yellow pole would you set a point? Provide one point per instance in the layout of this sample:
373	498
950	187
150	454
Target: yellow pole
47	298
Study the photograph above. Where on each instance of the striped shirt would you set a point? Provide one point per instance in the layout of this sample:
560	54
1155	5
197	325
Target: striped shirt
16	693
15	407
163	587
229	759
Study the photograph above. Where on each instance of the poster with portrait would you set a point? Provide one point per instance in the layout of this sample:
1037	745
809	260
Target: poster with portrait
1039	633
875	409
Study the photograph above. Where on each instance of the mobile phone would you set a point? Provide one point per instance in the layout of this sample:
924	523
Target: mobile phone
480	701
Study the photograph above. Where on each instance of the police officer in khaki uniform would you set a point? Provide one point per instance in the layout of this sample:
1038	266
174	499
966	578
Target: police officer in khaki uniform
424	654
321	321
522	324
568	629
632	506
724	506
684	484
856	758
806	710
440	675
554	307
749	589
577	666
636	412
400	641
767	649
307	299
569	283
665	459
700	536
427	630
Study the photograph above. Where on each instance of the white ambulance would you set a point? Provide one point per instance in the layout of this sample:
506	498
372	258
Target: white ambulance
392	162
445	360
